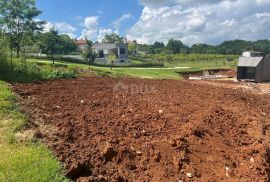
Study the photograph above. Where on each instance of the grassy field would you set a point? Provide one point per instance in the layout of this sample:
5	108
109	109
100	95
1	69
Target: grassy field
26	161
36	69
169	71
204	64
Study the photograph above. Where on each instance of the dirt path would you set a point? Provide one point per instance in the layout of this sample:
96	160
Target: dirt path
106	129
250	87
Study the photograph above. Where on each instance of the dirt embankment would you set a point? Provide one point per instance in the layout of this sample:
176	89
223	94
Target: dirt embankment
105	129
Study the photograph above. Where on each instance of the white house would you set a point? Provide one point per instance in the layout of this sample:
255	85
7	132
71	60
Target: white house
119	49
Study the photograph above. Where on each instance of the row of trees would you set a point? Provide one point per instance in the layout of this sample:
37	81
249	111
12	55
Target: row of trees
174	46
22	32
51	43
235	47
17	22
170	58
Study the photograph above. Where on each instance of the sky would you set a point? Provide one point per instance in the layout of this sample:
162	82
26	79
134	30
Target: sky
147	21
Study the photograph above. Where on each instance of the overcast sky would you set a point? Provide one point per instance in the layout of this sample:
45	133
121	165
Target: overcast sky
192	21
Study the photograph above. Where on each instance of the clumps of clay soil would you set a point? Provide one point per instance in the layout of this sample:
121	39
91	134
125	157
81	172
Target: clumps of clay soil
79	170
180	131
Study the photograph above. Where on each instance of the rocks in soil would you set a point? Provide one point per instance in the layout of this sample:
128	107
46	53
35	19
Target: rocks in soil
157	157
205	126
82	169
131	166
189	175
108	152
173	143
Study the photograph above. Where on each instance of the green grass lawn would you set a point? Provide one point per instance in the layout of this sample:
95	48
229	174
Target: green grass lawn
142	73
205	64
172	73
38	69
149	73
117	71
22	161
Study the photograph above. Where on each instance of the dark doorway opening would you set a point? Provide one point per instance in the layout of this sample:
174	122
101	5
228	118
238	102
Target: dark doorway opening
247	73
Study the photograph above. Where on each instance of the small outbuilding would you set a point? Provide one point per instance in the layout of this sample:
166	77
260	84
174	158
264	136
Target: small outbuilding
253	66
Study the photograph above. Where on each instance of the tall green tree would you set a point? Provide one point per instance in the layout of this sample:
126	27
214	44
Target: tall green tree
112	58
158	45
67	44
3	52
3	42
3	45
17	18
89	53
132	48
174	46
113	38
50	43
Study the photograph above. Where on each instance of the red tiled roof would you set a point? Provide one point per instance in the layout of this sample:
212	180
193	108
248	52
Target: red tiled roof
80	42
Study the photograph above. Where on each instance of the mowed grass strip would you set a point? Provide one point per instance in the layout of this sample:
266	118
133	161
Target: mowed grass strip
22	161
44	70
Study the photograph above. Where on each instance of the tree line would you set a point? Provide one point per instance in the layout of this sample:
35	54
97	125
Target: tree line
174	46
21	32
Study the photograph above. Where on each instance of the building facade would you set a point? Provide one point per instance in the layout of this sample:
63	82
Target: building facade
103	50
81	44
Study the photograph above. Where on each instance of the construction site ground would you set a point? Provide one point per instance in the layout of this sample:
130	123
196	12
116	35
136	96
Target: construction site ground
128	129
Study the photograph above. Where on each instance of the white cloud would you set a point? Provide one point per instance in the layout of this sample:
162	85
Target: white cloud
71	35
61	27
48	26
116	24
102	33
156	3
64	27
210	21
90	27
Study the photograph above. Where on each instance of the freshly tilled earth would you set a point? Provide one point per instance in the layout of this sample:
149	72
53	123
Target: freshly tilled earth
125	129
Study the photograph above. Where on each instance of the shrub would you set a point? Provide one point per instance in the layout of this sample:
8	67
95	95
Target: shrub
20	68
61	58
61	75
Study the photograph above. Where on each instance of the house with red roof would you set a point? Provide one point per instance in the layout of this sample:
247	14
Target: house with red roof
81	44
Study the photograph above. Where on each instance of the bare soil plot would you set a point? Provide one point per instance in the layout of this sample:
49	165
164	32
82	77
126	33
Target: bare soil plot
105	129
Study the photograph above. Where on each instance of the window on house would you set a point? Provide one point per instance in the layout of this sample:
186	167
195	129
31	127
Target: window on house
101	54
122	51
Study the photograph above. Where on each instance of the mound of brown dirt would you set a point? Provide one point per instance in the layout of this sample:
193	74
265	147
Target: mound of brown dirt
105	129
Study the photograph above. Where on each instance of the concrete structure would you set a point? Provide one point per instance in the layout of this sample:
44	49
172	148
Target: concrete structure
81	44
119	49
253	66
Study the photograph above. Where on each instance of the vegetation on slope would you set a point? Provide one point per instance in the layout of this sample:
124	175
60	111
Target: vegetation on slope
27	161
